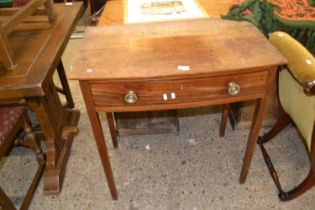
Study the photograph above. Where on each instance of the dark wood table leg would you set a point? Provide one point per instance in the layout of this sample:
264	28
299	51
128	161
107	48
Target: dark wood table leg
64	83
112	128
92	6
59	126
257	121
99	137
226	109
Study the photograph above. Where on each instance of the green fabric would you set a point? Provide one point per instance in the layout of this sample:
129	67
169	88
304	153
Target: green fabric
262	16
311	2
5	3
299	106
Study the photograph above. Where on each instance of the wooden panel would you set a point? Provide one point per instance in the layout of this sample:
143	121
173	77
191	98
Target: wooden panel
185	90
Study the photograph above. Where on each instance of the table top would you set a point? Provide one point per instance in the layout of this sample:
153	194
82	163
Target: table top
166	49
38	53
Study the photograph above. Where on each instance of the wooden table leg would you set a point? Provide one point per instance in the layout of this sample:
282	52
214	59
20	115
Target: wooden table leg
112	128
92	6
260	110
59	126
99	137
224	118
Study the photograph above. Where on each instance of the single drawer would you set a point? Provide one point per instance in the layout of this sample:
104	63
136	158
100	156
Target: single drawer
173	91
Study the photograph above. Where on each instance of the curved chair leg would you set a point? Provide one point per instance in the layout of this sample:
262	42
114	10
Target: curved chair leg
5	201
283	121
307	183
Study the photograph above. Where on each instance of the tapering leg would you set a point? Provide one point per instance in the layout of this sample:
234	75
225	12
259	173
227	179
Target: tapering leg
92	7
112	128
260	110
99	137
252	138
224	118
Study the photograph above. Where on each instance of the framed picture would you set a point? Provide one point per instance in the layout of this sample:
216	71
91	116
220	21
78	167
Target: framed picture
137	11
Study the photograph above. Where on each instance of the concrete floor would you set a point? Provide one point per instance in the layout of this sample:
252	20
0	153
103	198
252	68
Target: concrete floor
193	170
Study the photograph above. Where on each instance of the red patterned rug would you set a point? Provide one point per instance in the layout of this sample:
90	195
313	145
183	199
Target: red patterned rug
296	17
292	10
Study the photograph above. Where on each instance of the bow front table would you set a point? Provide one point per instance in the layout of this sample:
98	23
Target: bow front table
174	65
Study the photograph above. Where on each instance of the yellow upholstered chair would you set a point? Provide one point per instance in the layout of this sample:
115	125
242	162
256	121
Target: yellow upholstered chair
296	89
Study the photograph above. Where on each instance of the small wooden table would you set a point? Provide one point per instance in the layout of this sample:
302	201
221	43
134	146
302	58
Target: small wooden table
174	65
242	113
38	55
153	121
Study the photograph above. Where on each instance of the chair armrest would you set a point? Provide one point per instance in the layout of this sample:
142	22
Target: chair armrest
301	62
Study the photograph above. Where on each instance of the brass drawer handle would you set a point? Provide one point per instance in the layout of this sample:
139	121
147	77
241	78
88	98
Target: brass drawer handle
131	97
233	88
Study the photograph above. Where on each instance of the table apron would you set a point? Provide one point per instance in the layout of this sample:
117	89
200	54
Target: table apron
179	105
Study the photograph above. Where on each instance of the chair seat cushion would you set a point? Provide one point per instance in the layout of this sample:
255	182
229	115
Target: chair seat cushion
8	118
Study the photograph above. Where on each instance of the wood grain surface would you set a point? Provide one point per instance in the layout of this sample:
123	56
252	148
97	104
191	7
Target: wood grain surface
155	50
111	94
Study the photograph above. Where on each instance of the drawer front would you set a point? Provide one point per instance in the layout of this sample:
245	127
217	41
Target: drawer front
159	92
